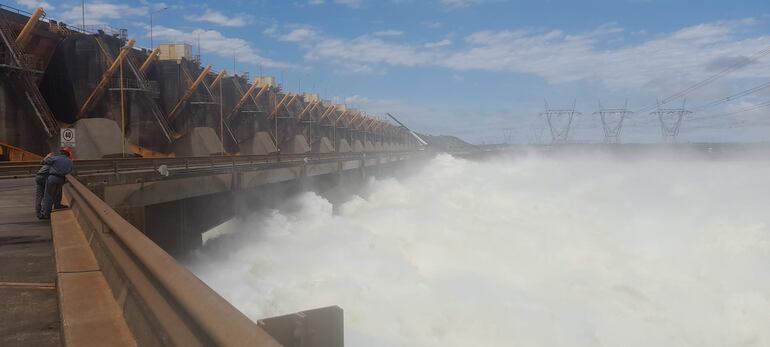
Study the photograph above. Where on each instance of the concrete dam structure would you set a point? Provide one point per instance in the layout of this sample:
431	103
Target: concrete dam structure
166	149
166	103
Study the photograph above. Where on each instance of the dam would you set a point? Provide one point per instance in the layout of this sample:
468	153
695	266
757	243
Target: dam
166	149
214	208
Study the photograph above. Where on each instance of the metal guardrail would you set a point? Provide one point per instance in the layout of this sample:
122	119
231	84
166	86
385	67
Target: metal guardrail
135	85
15	154
44	19
162	302
184	165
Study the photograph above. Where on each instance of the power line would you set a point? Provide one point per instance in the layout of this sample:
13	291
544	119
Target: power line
736	66
728	114
733	97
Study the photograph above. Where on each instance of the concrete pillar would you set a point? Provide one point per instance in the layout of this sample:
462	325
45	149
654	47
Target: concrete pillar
177	226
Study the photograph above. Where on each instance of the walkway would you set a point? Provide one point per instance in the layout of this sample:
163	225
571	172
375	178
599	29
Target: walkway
29	314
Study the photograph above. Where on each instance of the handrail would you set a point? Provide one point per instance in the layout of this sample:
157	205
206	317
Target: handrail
181	164
45	20
16	154
197	313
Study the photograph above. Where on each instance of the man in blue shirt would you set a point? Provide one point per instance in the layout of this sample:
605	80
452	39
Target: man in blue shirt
40	180
60	166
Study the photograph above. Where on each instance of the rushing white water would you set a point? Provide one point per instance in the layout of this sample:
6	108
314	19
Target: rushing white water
588	251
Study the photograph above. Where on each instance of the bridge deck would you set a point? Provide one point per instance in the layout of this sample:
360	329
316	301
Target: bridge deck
29	313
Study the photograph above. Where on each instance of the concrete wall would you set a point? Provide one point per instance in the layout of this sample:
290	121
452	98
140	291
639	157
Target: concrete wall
175	212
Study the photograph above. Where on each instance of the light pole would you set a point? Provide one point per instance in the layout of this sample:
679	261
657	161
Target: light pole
152	46
235	58
83	9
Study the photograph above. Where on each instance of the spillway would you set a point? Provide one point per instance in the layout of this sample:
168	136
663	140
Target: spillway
534	250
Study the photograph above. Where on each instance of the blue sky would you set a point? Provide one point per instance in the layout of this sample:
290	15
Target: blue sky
472	67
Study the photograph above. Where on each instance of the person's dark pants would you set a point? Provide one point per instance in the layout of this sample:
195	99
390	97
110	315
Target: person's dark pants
40	182
52	196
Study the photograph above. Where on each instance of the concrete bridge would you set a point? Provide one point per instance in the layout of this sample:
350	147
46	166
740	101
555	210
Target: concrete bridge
103	271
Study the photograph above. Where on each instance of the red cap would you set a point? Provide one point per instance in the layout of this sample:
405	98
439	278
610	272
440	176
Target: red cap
70	153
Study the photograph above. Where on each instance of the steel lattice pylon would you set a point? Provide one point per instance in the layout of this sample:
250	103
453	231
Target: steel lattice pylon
612	121
560	122
670	121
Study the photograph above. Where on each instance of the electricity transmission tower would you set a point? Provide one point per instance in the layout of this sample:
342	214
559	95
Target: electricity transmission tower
559	122
508	135
670	121
537	134
612	121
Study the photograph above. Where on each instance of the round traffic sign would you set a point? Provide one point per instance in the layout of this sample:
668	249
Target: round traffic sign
68	135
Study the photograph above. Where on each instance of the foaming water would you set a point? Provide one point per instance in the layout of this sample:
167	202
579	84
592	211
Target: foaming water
586	251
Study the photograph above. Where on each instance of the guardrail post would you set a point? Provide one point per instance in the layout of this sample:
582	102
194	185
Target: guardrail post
362	169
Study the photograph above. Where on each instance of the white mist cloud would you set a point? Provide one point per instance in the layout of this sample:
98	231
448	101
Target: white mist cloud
587	251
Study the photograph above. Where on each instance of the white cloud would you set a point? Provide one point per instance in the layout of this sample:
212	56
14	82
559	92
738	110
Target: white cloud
680	57
298	35
558	57
452	4
357	55
213	42
216	17
35	4
349	3
102	13
388	33
437	44
155	6
436	119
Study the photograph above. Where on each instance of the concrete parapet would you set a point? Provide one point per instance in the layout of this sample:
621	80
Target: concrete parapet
97	138
324	145
358	146
369	147
260	144
296	145
343	146
378	146
199	142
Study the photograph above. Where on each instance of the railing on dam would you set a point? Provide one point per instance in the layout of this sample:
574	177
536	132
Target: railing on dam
189	165
161	302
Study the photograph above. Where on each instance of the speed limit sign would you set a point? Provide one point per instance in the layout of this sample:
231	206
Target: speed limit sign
67	137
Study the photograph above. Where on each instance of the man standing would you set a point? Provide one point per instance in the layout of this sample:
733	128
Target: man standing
60	167
40	180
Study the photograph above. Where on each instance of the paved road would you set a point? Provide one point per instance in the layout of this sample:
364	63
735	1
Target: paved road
29	314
